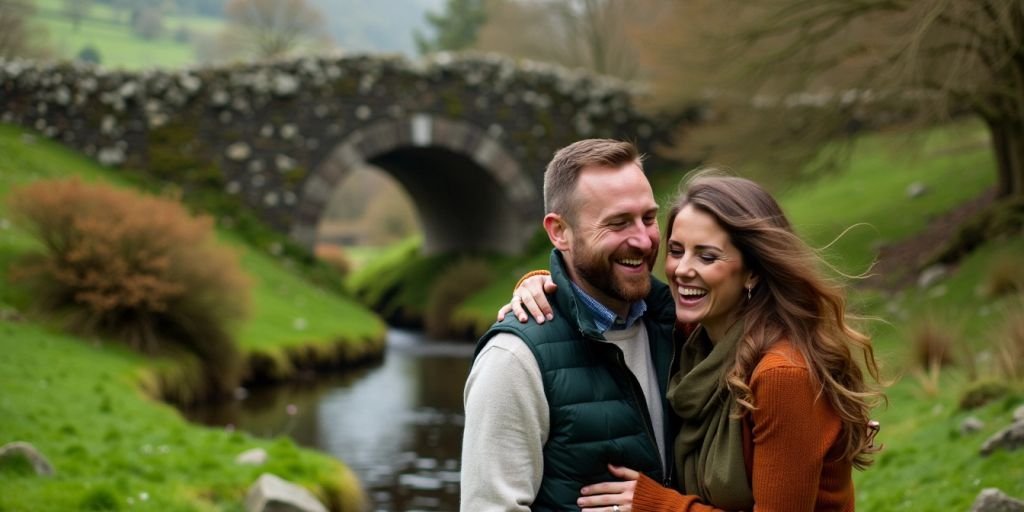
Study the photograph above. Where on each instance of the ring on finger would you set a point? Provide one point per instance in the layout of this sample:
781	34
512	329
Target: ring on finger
615	508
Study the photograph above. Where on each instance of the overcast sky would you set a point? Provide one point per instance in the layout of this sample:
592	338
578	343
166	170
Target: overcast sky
377	25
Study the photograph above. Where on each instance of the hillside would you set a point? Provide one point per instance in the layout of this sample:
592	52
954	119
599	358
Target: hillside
94	415
109	442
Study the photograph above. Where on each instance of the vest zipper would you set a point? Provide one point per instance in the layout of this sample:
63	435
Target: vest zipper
643	408
670	471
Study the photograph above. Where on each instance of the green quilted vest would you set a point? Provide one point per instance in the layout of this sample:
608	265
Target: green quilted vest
597	408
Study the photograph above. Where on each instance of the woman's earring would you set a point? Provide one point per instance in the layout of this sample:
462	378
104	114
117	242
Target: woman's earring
748	292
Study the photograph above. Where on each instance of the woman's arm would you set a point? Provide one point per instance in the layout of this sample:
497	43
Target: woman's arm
793	430
636	493
530	296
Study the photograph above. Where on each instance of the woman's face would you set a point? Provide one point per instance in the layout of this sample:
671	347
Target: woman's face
705	272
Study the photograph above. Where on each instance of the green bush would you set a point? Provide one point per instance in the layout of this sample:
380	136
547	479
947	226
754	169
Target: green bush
454	285
982	392
100	499
1004	276
134	267
89	54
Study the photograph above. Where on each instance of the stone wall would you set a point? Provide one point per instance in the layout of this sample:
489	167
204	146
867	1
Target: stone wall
281	135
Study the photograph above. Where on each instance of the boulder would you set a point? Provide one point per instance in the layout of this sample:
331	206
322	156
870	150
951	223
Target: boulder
271	493
1009	438
971	425
994	500
916	189
28	453
111	156
931	275
253	457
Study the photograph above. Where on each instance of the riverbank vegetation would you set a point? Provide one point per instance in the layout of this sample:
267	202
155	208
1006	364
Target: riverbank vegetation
83	400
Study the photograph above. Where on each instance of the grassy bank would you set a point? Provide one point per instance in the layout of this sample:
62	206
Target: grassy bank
81	401
115	449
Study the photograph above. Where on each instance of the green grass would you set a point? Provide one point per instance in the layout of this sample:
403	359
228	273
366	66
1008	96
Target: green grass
77	402
955	164
109	31
80	400
288	311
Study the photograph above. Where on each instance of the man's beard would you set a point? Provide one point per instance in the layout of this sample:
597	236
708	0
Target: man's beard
599	272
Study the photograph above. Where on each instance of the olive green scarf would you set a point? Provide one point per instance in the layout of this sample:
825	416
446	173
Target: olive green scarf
709	446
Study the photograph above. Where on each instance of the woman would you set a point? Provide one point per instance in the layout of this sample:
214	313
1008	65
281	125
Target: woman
774	406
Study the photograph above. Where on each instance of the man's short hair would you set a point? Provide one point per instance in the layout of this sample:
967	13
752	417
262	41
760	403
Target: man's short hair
564	170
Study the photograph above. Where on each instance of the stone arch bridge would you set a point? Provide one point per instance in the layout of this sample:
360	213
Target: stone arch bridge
467	137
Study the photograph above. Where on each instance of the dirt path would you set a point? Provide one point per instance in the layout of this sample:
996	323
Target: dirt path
899	263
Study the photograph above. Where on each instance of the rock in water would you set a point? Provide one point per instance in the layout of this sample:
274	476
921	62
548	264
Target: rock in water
272	493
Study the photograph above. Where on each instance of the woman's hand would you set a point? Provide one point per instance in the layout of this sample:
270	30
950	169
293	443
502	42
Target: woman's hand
530	297
610	496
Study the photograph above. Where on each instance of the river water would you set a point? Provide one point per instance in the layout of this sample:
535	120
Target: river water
398	425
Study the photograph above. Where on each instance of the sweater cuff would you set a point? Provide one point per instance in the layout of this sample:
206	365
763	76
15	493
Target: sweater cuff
529	275
650	496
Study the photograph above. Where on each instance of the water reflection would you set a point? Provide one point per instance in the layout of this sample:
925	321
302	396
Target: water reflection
397	425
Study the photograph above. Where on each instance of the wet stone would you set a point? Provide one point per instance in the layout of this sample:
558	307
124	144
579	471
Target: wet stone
26	453
994	500
272	493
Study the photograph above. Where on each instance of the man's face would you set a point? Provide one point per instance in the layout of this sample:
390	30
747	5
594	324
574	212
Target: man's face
614	235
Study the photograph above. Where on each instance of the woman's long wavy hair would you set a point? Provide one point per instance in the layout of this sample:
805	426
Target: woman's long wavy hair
792	299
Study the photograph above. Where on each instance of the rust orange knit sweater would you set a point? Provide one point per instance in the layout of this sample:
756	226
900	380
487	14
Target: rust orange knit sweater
789	447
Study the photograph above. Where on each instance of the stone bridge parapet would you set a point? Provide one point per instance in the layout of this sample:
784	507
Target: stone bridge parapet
468	137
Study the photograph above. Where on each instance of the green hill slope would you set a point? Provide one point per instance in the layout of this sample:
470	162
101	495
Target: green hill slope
80	401
109	32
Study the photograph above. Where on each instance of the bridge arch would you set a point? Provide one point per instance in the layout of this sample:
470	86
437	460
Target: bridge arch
470	194
467	136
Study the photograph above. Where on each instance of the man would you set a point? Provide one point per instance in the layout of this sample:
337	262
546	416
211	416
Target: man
549	406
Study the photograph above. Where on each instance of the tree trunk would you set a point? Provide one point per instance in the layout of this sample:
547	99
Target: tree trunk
1008	144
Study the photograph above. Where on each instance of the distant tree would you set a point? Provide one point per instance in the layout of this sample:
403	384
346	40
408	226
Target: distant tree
182	34
455	28
920	60
596	35
16	40
271	28
77	10
89	54
148	22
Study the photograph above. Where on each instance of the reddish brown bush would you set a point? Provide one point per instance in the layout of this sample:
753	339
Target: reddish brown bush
934	341
135	267
334	256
